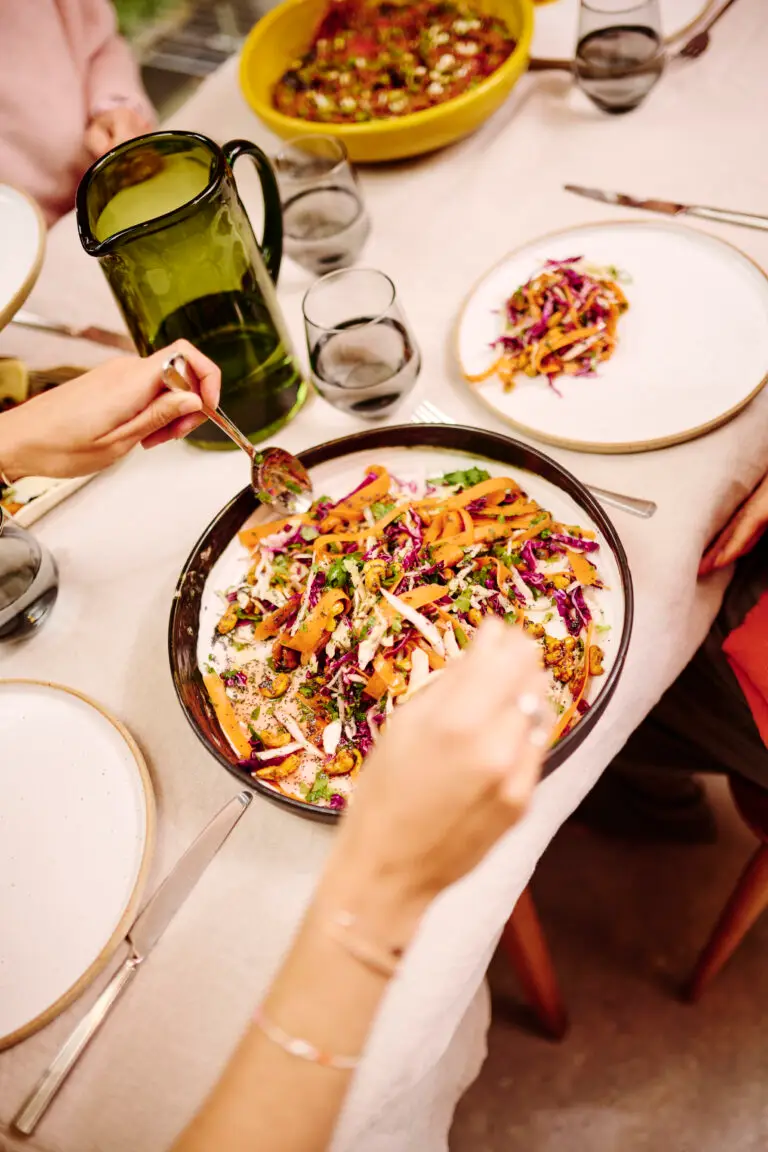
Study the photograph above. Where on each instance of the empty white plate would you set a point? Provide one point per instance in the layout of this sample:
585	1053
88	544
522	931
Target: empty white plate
76	832
692	349
556	24
22	243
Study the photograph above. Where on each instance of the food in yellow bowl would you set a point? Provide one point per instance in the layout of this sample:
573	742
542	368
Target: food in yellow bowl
373	59
280	43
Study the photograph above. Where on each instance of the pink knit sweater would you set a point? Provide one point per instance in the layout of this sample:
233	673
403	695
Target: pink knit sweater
60	61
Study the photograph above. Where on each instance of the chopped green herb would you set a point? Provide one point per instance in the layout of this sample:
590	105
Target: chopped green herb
510	618
306	690
255	713
461	636
320	790
253	732
396	626
466	479
210	669
380	508
264	497
337	575
463	602
602	628
545	533
292	486
271	664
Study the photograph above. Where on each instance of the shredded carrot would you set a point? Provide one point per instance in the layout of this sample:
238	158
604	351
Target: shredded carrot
273	622
584	572
225	714
312	632
250	534
570	712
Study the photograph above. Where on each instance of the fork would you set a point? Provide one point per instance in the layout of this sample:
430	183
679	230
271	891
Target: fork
699	43
428	413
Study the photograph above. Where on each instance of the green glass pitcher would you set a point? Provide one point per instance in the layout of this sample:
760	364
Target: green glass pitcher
163	215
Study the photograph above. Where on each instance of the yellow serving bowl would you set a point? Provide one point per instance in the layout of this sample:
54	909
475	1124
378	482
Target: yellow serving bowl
286	33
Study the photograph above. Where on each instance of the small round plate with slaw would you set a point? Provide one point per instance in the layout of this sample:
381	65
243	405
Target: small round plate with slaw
691	349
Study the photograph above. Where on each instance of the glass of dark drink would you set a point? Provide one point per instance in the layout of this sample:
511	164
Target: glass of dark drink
362	354
620	52
29	581
325	224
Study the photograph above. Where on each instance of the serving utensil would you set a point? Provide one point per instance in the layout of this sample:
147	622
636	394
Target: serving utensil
26	319
277	478
700	42
672	208
145	932
428	413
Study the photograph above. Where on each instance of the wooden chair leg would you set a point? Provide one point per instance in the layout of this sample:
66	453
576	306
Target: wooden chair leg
526	948
749	899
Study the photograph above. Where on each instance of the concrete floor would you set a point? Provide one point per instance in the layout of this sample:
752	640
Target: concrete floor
639	1071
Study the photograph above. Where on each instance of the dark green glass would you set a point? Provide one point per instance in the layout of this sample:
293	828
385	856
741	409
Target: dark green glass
163	216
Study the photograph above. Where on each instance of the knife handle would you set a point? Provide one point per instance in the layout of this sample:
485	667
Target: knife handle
727	216
36	1104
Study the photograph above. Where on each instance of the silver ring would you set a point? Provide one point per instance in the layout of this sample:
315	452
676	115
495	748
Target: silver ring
535	710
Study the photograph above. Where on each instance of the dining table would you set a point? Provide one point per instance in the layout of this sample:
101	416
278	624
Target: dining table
438	222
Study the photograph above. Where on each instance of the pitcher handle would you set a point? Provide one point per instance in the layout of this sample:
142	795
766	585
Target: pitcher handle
272	243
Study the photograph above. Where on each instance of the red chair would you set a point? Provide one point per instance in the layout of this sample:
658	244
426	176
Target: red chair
749	898
525	947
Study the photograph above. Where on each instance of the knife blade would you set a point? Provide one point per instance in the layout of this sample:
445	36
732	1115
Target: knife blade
672	208
144	933
26	319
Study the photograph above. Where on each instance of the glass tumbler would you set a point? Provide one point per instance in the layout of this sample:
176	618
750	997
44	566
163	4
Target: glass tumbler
620	52
325	224
362	354
29	581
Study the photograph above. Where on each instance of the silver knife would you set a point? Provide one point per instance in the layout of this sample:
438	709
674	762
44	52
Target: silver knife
27	319
145	931
670	208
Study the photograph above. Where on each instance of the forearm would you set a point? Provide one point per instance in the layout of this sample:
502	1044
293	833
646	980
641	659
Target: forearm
17	455
268	1098
112	70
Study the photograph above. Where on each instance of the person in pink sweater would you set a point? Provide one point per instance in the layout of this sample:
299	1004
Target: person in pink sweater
69	91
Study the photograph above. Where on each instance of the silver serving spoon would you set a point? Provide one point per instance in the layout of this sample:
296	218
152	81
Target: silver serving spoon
278	479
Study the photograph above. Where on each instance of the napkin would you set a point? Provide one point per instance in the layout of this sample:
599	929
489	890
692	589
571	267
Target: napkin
746	649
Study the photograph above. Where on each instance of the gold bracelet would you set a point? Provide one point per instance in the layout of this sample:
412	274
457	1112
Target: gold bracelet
303	1049
383	961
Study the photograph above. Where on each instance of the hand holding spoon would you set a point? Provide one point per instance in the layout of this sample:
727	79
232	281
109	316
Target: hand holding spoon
278	479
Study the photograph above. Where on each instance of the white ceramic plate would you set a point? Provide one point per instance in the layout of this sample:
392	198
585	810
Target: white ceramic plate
76	832
22	242
692	348
556	24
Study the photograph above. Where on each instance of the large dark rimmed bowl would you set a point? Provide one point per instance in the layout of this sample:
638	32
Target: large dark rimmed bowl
184	621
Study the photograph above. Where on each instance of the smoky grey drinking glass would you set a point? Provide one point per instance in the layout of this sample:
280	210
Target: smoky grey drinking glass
325	224
362	353
620	52
29	581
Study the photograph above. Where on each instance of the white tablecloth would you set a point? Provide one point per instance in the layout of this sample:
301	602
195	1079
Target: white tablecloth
438	223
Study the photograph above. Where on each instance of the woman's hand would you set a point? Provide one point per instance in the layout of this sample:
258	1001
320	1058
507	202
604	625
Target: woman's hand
112	127
454	770
88	423
740	534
